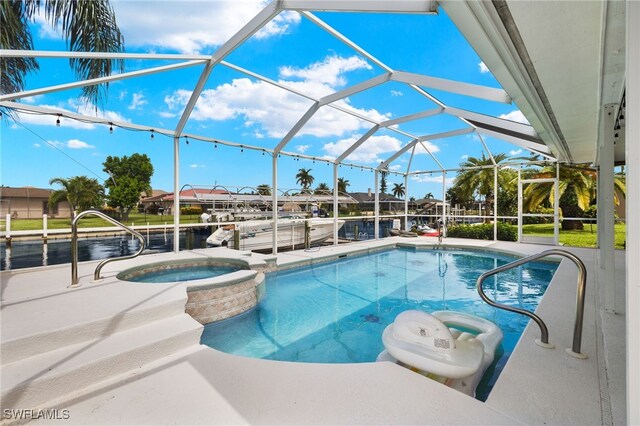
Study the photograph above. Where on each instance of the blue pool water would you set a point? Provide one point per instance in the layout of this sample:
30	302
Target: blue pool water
336	312
183	274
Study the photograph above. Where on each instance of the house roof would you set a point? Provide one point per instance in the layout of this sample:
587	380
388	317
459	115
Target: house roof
24	192
365	197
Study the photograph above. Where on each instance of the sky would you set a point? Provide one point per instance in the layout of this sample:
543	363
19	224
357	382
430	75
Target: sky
236	107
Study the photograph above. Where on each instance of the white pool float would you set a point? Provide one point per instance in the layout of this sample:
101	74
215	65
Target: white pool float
437	346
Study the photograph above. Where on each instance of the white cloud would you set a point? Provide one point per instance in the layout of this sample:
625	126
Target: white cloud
424	178
36	145
515	152
32	99
302	148
330	71
197	166
137	101
274	111
78	144
516	116
483	68
192	26
464	157
396	93
395	167
368	152
71	144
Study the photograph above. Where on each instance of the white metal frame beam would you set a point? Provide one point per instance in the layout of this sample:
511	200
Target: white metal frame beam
481	92
411	144
99	80
377	6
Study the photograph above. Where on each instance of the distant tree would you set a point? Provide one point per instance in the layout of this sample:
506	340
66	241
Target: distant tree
383	181
322	188
398	190
343	184
304	178
88	26
474	179
429	195
82	193
264	189
128	178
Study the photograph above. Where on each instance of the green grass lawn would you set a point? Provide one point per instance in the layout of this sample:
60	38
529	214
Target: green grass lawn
138	219
576	238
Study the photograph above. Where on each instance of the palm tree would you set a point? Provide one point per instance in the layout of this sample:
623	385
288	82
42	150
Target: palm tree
304	178
398	190
576	189
88	26
263	189
322	188
475	179
343	184
81	192
429	195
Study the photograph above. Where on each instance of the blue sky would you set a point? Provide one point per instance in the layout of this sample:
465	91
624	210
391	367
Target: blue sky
238	108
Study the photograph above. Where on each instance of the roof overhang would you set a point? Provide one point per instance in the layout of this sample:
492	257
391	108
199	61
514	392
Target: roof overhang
561	62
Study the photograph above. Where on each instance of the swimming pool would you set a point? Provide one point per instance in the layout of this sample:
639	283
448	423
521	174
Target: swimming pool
336	312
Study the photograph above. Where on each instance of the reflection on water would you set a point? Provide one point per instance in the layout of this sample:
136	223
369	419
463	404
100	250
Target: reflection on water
29	254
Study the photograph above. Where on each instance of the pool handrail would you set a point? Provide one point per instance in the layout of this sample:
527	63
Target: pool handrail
74	245
544	333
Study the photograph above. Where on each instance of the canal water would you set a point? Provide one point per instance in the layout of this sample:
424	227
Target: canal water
32	253
28	254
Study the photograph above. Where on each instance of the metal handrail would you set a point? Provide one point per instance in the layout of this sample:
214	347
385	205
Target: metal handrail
74	245
582	282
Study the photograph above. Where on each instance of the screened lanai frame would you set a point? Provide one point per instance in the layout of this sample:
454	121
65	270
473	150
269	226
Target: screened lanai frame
481	125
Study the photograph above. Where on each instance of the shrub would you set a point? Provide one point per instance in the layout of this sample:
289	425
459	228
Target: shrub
190	210
484	231
153	209
535	220
111	212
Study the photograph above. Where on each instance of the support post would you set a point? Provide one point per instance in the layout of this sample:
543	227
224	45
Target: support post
376	206
520	204
444	204
556	207
44	228
495	203
632	129
274	203
406	202
7	228
335	204
176	194
606	243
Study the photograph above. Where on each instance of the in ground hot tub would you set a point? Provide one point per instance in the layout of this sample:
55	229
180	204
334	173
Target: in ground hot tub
181	270
217	288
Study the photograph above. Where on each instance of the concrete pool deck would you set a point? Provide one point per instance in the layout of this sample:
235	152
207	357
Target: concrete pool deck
162	375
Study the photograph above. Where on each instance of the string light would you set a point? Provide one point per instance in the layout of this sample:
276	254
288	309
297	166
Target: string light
152	136
111	128
215	145
186	140
241	148
58	121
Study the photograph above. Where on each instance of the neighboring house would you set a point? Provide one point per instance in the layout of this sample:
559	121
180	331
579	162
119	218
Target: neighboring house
366	202
30	203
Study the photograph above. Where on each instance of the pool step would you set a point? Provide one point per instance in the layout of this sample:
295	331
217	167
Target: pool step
46	324
33	381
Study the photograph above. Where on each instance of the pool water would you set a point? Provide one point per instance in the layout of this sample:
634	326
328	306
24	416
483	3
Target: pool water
183	274
335	312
